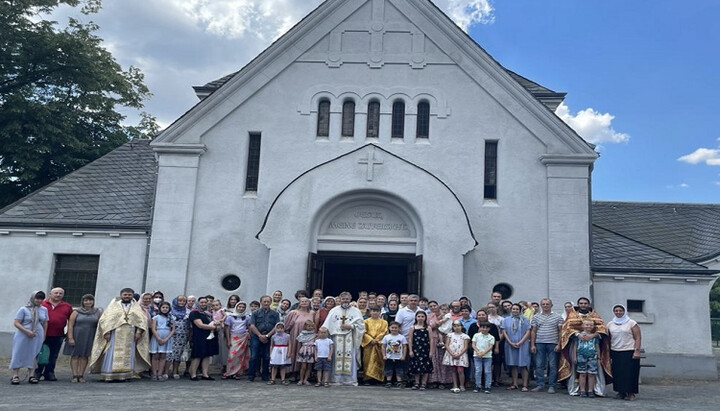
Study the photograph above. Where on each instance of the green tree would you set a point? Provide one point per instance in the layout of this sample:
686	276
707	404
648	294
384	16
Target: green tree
60	91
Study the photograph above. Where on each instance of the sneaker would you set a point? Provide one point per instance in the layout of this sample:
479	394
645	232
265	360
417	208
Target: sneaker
455	390
50	377
388	385
176	376
476	390
165	377
537	389
551	390
591	395
462	389
487	390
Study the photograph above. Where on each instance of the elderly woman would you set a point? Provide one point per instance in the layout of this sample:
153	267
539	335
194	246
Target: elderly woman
80	336
625	343
31	323
237	340
321	314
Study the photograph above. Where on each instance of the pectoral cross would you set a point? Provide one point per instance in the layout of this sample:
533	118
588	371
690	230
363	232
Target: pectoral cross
343	318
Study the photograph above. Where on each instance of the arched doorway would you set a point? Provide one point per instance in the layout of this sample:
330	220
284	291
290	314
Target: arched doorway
366	241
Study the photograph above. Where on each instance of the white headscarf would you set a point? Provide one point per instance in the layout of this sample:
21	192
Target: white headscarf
620	320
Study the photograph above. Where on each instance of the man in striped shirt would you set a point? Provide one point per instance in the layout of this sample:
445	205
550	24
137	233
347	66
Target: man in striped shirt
545	344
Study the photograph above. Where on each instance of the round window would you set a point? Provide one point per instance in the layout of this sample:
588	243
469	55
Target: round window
504	289
231	282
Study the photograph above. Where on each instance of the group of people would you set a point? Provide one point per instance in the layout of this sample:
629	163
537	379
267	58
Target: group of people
396	341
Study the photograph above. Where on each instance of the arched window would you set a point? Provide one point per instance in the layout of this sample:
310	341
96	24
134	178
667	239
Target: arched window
397	130
348	119
373	119
323	120
423	120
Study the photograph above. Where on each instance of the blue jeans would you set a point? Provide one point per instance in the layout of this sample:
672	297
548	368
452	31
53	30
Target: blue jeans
483	365
259	356
545	356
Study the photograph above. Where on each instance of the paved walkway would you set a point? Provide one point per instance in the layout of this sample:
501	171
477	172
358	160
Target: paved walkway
225	395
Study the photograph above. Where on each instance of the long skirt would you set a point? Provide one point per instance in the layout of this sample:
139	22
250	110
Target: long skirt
238	354
440	374
626	371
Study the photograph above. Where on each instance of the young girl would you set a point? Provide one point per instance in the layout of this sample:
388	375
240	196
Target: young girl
162	329
306	351
422	348
456	346
279	353
219	316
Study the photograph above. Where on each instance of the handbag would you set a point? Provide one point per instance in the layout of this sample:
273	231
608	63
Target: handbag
43	357
185	356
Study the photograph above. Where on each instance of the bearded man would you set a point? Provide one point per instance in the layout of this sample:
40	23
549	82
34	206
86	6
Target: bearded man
119	345
346	326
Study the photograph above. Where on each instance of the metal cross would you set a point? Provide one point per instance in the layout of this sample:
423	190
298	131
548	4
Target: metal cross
370	161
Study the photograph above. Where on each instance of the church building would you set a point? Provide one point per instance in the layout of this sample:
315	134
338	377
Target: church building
375	146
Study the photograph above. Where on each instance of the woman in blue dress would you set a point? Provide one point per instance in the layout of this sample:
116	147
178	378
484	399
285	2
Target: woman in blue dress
31	323
516	331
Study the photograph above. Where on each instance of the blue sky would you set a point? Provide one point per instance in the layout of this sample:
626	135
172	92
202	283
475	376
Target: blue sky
642	77
653	65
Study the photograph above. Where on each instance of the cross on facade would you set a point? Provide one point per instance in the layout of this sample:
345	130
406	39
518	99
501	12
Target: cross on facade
370	161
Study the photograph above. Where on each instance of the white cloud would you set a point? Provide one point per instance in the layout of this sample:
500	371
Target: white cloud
465	13
680	186
593	126
709	156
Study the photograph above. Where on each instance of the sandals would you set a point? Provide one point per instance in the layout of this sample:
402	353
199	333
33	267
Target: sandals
33	380
74	378
285	382
422	387
400	385
271	382
15	380
512	387
524	389
326	384
415	387
318	384
455	390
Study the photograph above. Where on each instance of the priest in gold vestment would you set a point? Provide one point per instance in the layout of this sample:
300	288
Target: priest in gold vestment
121	342
372	349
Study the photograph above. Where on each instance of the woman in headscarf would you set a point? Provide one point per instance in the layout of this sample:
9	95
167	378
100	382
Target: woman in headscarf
31	324
516	331
567	309
179	314
321	314
80	336
625	344
222	357
238	341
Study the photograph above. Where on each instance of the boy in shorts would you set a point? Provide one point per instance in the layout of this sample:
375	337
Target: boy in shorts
323	354
394	351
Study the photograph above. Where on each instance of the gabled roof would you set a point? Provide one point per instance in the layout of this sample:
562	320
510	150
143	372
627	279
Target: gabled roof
616	253
689	231
509	88
551	99
116	190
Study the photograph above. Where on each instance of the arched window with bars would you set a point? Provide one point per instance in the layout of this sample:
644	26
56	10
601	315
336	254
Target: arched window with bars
397	129
423	120
348	118
373	119
323	119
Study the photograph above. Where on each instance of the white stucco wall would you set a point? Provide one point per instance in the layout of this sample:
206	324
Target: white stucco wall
675	318
28	258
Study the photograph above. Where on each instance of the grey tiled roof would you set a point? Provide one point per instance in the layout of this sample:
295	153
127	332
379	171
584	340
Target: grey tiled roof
116	190
689	231
614	252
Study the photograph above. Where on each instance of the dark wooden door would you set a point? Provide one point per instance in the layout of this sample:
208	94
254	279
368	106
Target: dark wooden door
315	272
414	275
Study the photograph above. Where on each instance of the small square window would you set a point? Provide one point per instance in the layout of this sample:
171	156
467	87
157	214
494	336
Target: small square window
635	306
